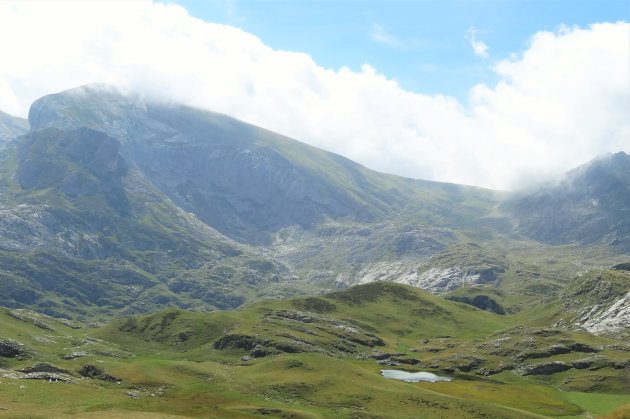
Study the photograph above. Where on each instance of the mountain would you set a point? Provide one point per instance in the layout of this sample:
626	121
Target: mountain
115	203
10	128
196	232
106	177
589	205
243	180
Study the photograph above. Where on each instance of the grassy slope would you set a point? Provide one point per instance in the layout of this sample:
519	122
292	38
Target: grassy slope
176	369
432	202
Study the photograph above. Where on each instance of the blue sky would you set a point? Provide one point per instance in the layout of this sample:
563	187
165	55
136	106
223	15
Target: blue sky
424	45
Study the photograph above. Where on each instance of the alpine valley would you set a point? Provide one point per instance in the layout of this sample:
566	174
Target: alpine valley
157	260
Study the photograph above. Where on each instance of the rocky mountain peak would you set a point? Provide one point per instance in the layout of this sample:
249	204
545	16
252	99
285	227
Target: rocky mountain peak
589	205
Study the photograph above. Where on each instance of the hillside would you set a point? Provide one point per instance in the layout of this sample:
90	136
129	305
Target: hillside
308	358
84	234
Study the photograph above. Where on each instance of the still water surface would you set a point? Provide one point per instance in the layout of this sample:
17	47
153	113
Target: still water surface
413	377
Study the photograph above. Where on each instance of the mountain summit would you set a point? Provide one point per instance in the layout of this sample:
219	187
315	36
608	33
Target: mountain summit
590	204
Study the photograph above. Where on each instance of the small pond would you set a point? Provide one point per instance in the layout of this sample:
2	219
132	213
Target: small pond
413	377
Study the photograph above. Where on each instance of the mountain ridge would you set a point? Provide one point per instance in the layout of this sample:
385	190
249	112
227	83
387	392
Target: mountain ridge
106	177
305	176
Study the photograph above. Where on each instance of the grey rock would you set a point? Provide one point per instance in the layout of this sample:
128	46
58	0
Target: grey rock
545	368
10	348
94	372
73	355
49	376
45	367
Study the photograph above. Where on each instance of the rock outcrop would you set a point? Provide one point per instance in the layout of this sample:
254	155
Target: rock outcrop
598	302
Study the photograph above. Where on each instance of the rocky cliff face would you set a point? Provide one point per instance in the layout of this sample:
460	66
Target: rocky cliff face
421	274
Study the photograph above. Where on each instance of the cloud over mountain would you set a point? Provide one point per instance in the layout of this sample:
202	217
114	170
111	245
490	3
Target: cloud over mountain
557	104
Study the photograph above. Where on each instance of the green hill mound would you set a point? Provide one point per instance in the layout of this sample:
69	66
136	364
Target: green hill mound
306	357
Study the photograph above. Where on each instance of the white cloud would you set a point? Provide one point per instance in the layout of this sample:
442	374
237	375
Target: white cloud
558	104
382	36
479	47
